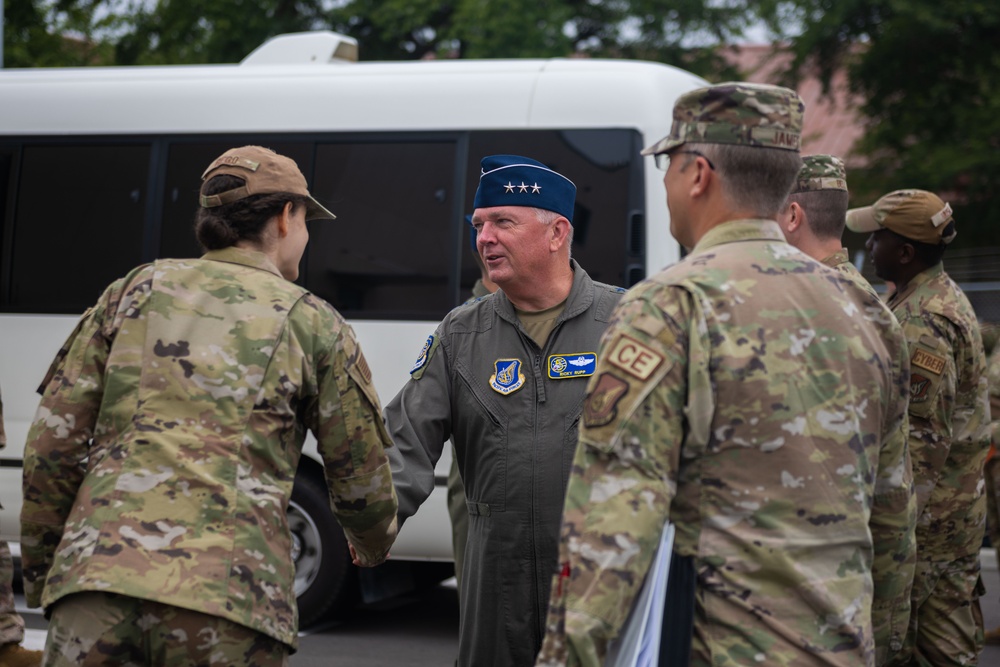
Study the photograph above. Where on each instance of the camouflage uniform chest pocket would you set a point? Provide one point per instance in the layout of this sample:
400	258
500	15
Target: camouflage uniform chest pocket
929	371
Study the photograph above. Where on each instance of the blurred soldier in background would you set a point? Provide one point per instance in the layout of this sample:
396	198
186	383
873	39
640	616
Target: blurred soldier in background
992	470
949	420
12	654
812	218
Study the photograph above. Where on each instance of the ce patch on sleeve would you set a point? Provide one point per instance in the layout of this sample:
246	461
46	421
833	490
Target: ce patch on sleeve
638	360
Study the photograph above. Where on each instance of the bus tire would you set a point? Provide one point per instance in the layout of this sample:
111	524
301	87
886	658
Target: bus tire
326	583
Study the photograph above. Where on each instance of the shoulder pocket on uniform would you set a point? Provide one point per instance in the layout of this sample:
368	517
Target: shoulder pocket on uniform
928	363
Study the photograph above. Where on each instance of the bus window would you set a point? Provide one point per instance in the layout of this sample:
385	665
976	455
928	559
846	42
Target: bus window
388	253
78	223
604	165
182	181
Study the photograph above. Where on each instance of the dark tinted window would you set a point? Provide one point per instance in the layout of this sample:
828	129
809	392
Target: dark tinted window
182	181
388	253
78	223
605	166
399	249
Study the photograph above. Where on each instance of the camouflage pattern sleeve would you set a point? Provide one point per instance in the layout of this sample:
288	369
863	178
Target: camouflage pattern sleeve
993	377
932	397
58	441
623	477
352	440
893	524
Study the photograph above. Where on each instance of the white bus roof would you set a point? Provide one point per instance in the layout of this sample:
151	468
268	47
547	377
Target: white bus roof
366	96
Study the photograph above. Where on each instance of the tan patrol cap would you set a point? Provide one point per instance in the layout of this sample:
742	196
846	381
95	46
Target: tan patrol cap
916	214
265	172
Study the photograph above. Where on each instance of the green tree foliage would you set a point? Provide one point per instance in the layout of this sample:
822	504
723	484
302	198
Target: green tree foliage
131	32
51	34
929	74
928	71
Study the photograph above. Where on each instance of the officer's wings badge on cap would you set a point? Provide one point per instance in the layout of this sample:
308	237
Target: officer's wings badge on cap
512	180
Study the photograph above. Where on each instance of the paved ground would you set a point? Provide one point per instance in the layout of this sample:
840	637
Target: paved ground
422	630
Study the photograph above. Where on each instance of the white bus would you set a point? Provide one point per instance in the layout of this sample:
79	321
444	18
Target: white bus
99	172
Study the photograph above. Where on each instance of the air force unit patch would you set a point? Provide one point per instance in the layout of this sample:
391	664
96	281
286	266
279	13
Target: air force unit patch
422	358
575	365
508	377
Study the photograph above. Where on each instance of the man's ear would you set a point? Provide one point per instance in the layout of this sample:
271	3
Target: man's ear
559	233
797	217
907	253
702	177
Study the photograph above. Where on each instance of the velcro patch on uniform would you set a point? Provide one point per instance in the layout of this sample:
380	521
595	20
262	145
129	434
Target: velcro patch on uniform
575	365
927	361
919	388
601	406
363	368
424	355
508	377
638	360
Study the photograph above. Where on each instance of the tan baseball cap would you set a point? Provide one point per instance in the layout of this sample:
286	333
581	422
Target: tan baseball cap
265	172
916	214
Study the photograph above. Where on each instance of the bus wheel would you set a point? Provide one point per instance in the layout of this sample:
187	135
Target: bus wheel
325	580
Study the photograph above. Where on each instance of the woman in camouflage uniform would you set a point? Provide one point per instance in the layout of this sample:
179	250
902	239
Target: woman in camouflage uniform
159	467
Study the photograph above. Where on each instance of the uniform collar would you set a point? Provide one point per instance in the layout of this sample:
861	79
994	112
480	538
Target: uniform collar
581	295
244	257
740	230
921	278
836	259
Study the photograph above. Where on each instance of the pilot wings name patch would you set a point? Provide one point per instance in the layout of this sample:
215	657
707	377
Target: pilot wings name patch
575	365
508	377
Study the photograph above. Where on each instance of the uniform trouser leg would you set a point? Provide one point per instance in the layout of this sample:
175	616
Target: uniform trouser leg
91	629
992	476
946	622
458	510
11	623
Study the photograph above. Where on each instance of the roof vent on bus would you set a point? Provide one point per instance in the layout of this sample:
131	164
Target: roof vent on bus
302	48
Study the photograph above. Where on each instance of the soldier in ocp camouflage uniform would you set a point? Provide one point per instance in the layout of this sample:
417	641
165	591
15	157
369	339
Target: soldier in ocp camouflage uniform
949	419
158	470
812	218
992	469
11	623
747	395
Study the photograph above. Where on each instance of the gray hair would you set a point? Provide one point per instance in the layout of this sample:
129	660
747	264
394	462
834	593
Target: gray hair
547	217
754	178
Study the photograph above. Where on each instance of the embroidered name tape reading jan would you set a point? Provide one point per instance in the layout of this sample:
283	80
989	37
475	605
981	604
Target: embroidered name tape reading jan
927	361
575	365
636	359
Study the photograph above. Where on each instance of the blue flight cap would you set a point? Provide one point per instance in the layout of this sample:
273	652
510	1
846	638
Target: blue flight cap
512	180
